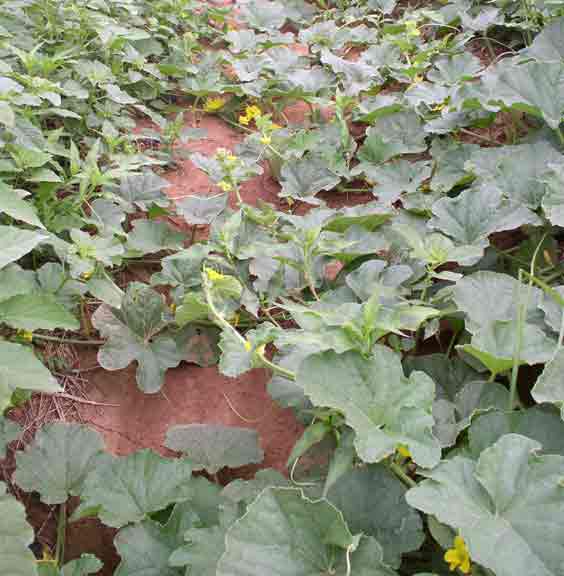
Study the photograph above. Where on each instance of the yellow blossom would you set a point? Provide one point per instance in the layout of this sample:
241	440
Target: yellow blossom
213	275
173	307
231	158
25	335
214	104
248	346
251	113
403	450
275	127
87	275
225	186
266	140
458	557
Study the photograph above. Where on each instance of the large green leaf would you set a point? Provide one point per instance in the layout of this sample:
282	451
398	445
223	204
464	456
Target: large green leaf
372	501
461	394
540	423
16	207
501	304
132	333
534	87
19	368
212	446
549	386
201	209
478	212
283	533
148	236
384	408
36	311
145	547
202	552
497	343
508	506
127	489
548	45
16	243
142	190
303	179
16	559
56	463
396	177
9	431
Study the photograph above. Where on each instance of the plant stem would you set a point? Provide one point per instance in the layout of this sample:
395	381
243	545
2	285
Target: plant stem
64	340
288	374
400	473
61	534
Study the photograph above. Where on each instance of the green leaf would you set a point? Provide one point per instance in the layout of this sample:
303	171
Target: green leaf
127	489
508	506
9	431
84	566
495	345
36	311
396	177
198	210
520	172
142	190
284	533
553	200
13	205
476	213
212	446
540	423
461	394
132	334
247	491
193	308
372	501
549	386
145	547
501	303
548	45
534	87
202	552
16	559
268	15
383	407
19	368
302	179
148	237
56	463
16	243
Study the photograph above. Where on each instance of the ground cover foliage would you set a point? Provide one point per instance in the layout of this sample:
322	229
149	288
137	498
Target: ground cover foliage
435	447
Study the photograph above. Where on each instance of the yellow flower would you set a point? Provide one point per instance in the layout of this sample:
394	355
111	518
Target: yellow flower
403	450
25	335
173	307
214	104
251	113
213	275
248	346
225	186
87	275
266	140
458	557
231	158
276	127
